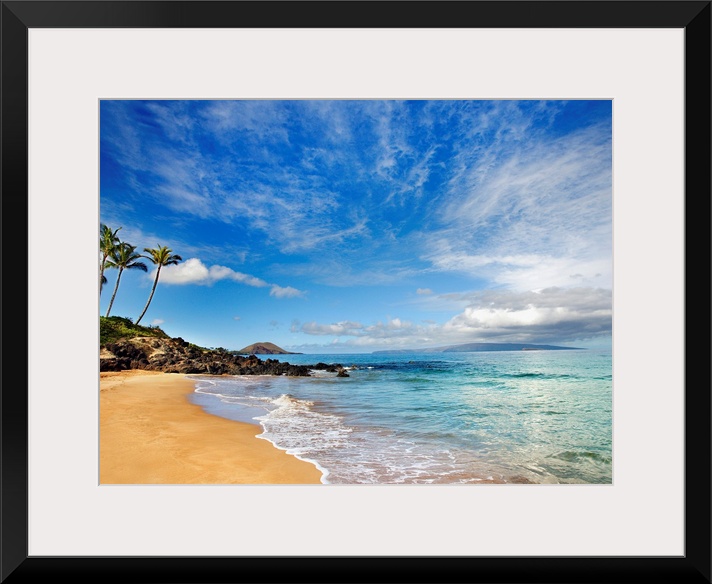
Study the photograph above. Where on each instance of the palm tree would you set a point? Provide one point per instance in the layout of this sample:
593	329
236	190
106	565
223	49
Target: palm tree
123	257
161	256
108	240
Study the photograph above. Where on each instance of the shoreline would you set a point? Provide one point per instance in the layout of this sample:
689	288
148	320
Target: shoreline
151	433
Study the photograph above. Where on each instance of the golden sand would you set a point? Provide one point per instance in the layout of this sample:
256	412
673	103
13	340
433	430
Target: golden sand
150	433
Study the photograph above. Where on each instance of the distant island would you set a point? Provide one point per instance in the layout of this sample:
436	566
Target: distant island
476	347
263	349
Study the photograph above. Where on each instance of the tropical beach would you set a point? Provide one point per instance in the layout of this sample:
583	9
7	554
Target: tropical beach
467	414
151	434
356	292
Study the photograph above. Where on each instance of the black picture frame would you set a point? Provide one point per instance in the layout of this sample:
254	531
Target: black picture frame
19	16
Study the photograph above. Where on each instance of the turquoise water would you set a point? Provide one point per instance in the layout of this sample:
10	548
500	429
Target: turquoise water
441	418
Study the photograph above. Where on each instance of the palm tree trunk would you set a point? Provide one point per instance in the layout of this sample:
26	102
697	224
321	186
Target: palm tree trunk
155	282
101	275
116	288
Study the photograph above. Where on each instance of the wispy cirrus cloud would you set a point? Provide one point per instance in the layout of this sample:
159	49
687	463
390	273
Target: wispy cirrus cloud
343	328
389	198
267	191
532	215
499	175
524	271
256	120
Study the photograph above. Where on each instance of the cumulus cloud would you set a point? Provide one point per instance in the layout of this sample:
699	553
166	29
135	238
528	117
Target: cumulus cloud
194	271
549	316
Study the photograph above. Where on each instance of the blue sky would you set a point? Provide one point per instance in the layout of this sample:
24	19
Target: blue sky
329	226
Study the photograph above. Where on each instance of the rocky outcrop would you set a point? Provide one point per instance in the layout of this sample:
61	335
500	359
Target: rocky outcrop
331	368
178	356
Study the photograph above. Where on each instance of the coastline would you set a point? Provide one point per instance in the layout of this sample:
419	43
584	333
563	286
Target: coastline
150	433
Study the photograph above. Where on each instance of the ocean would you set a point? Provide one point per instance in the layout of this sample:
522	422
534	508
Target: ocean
440	418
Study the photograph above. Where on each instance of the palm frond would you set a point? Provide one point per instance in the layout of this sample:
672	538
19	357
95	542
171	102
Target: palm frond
124	256
108	238
162	256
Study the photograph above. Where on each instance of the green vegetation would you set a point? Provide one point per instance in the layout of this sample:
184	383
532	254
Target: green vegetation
115	328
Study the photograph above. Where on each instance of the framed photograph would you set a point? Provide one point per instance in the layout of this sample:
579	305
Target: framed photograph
451	216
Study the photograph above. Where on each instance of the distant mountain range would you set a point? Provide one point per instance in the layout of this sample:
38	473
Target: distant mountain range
475	347
264	349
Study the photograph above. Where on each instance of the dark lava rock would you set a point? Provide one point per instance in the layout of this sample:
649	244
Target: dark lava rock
331	368
178	356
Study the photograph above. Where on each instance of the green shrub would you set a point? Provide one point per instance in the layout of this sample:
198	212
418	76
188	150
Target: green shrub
114	328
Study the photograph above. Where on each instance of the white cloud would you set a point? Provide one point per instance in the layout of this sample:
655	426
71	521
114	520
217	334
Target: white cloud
236	318
558	316
393	331
525	271
193	271
157	321
343	328
285	292
223	273
366	271
547	316
530	211
508	201
424	291
255	120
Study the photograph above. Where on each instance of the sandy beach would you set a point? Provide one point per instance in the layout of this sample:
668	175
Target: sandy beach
150	433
